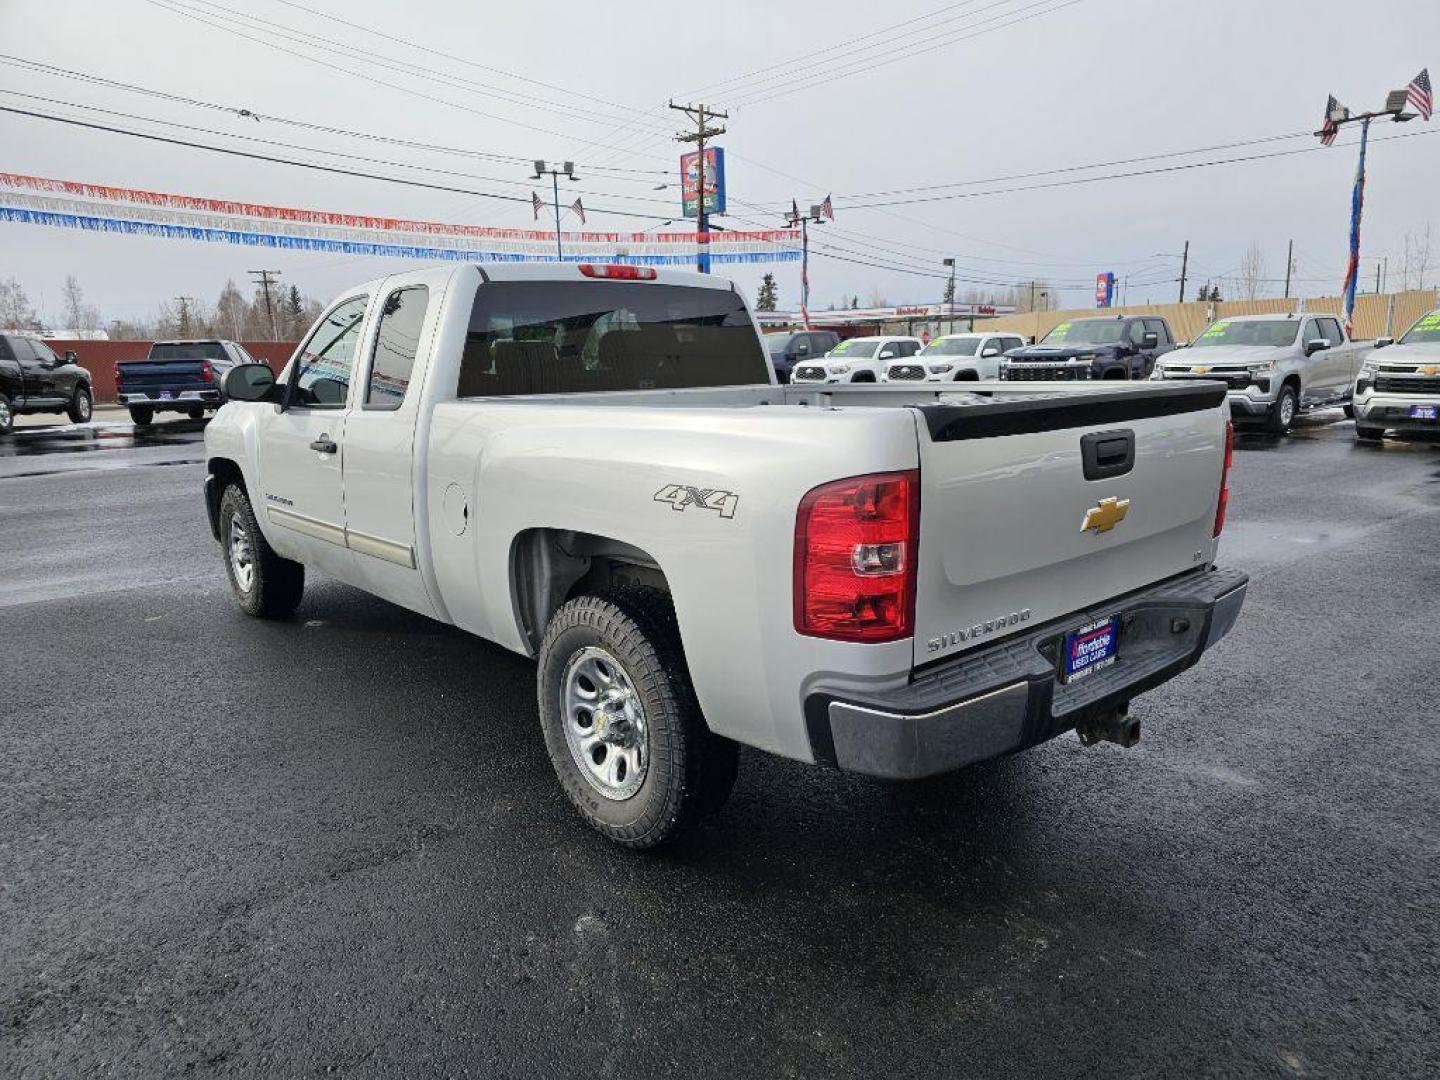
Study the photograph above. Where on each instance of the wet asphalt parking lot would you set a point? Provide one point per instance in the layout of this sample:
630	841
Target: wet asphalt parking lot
333	846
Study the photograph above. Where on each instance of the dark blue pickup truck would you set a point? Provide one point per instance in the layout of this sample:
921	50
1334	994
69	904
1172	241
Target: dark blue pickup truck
178	376
1106	347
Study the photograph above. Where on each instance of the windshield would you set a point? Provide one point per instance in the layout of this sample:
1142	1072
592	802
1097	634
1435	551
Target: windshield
1427	329
856	347
559	337
187	350
951	346
1086	332
1263	333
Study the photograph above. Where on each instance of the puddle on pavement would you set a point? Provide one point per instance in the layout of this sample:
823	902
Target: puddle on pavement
68	439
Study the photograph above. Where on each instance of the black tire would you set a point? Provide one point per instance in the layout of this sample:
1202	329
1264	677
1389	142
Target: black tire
82	406
1349	410
7	415
276	584
1279	419
690	770
195	414
1368	434
864	376
142	415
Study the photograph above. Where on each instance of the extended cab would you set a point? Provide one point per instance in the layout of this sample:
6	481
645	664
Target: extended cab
1274	366
33	379
177	376
1400	388
593	466
1107	347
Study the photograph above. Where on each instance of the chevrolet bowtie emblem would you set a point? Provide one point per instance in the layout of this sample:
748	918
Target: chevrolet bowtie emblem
1105	515
1429	369
1200	371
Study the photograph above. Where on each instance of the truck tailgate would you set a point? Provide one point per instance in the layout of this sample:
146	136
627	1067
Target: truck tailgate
141	375
1005	500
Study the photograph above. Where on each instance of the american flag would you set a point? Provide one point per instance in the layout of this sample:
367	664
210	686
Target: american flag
1418	94
794	212
1328	130
579	210
536	205
827	209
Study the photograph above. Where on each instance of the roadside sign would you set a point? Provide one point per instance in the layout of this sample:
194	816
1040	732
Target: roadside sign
714	181
1104	289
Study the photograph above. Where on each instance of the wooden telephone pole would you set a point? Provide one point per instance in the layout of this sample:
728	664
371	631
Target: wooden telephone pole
701	115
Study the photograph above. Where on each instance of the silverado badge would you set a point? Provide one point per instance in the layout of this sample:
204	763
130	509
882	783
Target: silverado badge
1105	515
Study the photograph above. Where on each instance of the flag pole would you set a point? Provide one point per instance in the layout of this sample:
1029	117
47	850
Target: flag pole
1357	207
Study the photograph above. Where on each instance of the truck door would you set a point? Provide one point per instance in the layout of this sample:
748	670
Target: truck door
38	373
302	446
1327	368
12	379
379	466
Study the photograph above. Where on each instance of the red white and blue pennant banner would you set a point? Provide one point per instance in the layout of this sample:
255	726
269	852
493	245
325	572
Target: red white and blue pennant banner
39	200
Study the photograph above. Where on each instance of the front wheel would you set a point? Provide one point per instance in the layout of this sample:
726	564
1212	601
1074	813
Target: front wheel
1368	434
81	406
1282	413
267	585
7	416
621	722
1349	410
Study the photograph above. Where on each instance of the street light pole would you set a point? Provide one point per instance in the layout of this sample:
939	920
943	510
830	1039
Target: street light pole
568	171
804	221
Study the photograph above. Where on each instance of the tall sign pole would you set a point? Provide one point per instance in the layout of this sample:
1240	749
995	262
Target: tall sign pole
703	133
817	215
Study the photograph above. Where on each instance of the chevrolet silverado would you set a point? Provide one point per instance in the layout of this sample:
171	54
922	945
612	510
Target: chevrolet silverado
593	466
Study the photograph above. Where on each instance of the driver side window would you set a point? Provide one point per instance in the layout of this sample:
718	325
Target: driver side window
322	376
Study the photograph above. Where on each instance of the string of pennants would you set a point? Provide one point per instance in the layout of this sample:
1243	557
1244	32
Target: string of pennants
69	204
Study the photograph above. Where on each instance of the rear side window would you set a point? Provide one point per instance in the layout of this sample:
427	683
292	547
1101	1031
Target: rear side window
561	337
1330	329
396	344
327	358
1159	329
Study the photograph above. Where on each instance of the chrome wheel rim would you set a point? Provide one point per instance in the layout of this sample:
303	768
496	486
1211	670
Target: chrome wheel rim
1287	409
605	724
4	413
82	406
242	554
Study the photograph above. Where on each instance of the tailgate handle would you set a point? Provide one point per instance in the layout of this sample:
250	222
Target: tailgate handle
1107	453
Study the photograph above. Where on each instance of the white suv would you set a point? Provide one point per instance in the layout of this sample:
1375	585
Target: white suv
954	357
860	359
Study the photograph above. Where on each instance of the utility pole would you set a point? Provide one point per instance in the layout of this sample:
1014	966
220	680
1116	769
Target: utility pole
185	302
1289	265
568	171
1184	266
266	278
1336	117
804	221
701	115
950	304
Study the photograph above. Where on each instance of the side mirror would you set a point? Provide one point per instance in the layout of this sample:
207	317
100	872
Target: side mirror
1381	342
1182	344
70	356
1314	345
991	351
251	382
1151	340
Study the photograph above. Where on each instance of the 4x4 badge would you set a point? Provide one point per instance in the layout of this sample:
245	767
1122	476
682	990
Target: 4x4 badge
1105	515
679	496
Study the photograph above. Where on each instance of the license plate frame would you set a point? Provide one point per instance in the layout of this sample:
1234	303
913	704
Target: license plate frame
1425	412
1087	649
166	395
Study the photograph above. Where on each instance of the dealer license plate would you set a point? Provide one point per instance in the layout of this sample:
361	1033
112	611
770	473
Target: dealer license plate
1090	648
1424	412
166	395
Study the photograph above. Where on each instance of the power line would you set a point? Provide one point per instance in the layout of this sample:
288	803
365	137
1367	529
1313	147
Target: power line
315	166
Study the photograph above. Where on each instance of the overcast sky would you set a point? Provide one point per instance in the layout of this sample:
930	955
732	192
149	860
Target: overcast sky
951	97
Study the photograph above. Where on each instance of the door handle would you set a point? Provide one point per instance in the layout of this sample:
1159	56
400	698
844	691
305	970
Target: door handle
324	444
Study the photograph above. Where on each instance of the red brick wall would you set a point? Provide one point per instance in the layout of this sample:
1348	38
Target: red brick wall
100	357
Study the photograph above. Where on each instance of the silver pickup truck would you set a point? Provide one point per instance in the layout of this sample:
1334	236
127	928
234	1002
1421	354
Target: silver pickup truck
1399	389
593	465
1274	366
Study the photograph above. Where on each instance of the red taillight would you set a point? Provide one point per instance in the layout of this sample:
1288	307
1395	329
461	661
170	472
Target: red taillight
1224	500
618	272
117	376
856	543
207	373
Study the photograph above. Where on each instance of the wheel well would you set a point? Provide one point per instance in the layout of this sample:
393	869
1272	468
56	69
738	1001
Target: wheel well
1292	380
226	472
551	566
864	376
1114	373
967	375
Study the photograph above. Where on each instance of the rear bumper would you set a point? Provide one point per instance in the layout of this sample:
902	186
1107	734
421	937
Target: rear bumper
179	399
1007	697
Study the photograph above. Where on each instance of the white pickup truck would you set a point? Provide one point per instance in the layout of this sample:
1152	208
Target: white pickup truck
593	466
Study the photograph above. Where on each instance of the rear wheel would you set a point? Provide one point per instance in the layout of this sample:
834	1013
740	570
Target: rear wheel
267	585
81	406
142	415
195	414
621	722
1282	413
7	416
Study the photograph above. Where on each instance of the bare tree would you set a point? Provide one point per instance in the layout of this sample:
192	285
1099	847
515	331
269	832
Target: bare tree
1416	260
78	315
15	310
876	299
1251	280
